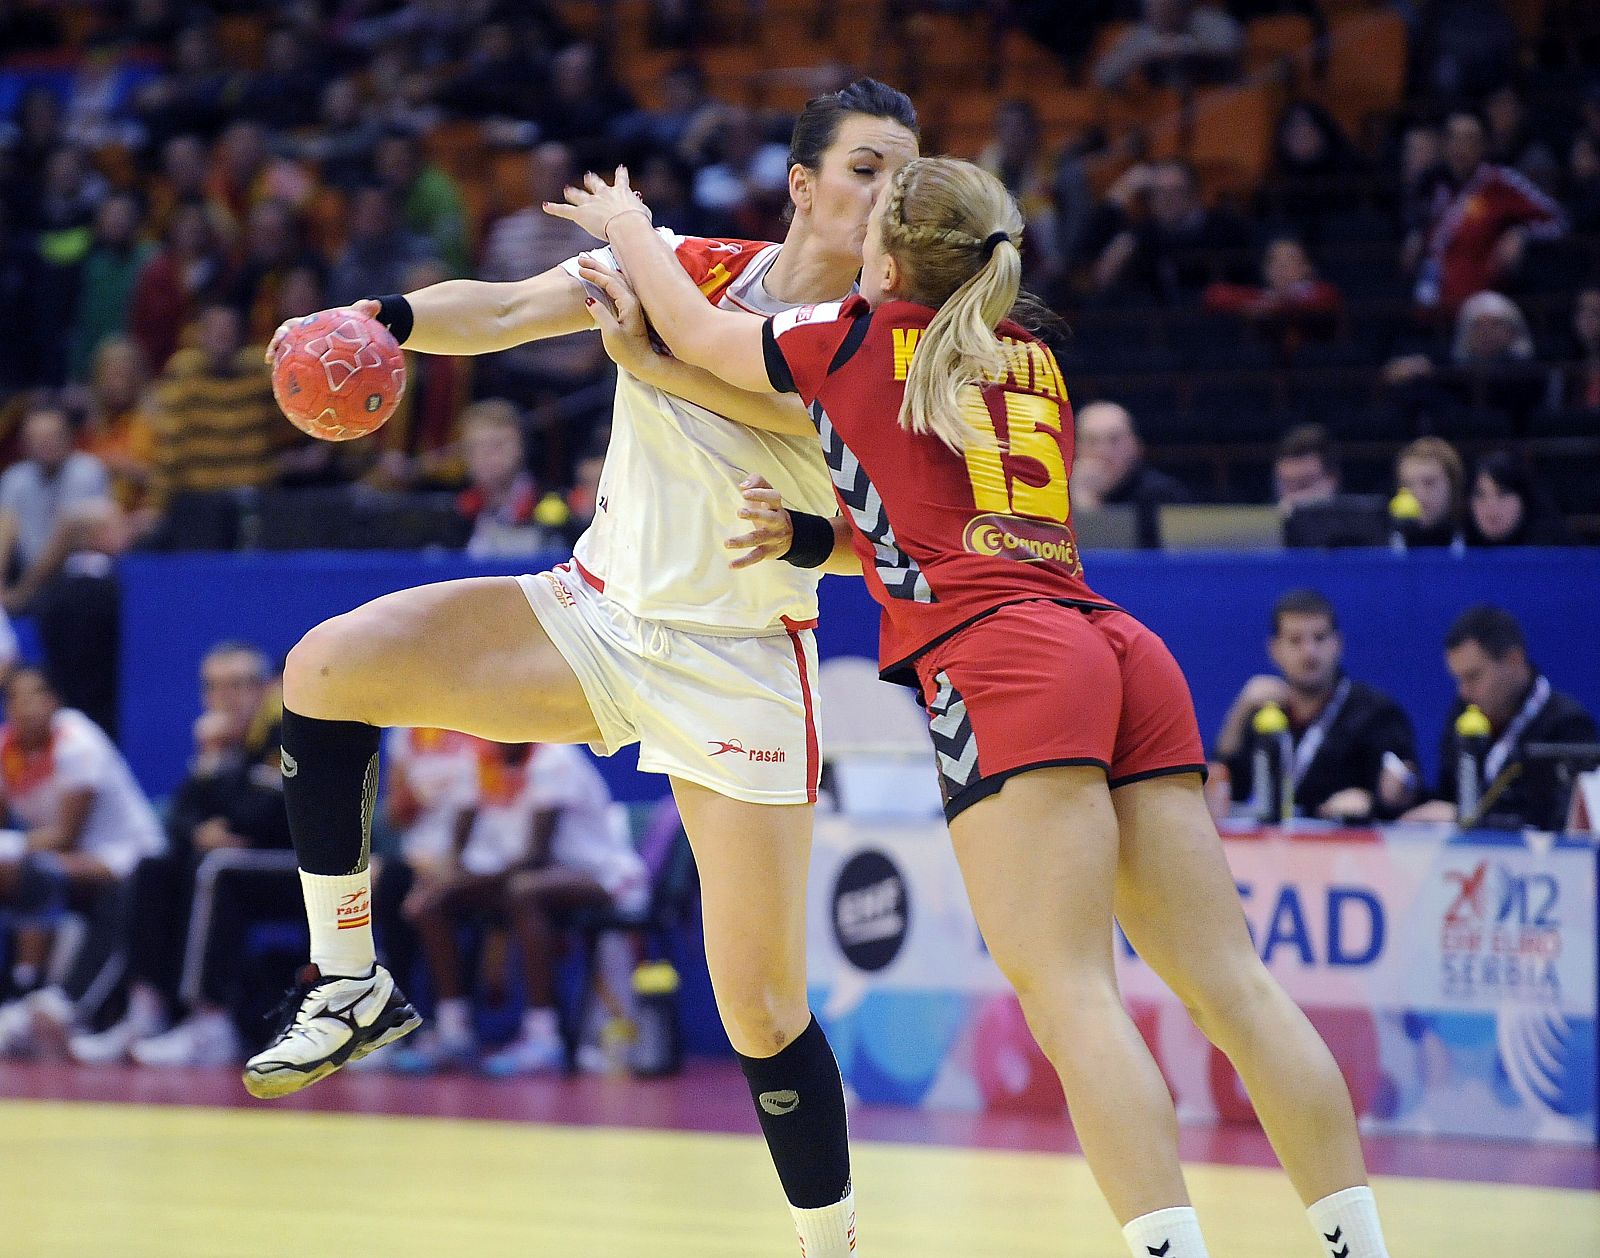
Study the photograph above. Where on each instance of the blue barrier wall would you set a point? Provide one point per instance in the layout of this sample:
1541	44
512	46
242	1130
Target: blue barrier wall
1213	610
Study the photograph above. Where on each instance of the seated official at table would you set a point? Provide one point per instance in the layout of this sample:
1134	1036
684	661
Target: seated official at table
1354	754
1487	655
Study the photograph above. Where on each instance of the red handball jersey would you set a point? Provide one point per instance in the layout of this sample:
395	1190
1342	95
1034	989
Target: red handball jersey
944	538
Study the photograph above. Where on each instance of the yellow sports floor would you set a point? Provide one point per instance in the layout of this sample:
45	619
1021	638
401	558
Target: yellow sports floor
128	1181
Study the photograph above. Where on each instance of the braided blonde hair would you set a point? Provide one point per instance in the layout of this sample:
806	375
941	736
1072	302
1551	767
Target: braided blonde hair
938	220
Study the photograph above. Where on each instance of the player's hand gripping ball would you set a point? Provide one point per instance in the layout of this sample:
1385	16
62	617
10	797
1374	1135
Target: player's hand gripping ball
337	374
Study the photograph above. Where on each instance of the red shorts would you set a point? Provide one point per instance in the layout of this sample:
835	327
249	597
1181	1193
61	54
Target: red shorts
1037	684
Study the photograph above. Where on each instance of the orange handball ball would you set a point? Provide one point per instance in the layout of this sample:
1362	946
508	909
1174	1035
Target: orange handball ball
338	374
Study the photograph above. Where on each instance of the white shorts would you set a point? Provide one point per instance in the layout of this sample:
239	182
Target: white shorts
737	715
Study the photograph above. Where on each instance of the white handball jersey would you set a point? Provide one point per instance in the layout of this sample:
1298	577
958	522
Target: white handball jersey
121	828
669	494
439	770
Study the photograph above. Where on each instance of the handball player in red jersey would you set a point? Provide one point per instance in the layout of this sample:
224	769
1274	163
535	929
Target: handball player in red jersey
1065	736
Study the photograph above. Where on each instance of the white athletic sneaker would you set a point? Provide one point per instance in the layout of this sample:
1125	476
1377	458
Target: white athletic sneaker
329	1021
526	1055
203	1039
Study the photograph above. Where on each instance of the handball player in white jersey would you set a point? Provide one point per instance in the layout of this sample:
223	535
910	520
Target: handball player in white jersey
647	636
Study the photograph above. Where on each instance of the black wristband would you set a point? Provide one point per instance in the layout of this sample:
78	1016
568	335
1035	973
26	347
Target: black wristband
812	541
394	312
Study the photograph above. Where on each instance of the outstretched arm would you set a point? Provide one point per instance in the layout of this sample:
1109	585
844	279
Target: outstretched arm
477	317
724	342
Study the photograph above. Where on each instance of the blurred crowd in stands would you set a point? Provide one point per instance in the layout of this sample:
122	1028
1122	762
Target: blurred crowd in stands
1395	238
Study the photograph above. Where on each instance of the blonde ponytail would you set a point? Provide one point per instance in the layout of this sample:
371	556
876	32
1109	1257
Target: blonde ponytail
956	233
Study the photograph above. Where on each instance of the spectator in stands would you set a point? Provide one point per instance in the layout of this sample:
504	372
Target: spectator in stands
1422	170
1020	159
540	843
1178	44
1479	222
181	180
60	221
428	198
1355	755
75	599
1583	184
274	246
1314	169
1110	470
191	270
1292	304
191	96
583	100
527	243
29	144
190	908
1163	237
501	497
106	280
244	171
378	250
1509	508
342	143
85	825
1462	47
1430	470
1305	468
1578	384
118	429
498	78
667	184
1511	139
748	183
1490	369
283	94
217	426
40	495
1487	656
684	124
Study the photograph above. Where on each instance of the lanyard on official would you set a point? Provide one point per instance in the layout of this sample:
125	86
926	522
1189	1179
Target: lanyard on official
1311	741
1501	751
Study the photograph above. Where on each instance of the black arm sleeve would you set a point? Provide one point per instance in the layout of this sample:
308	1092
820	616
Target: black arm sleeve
778	373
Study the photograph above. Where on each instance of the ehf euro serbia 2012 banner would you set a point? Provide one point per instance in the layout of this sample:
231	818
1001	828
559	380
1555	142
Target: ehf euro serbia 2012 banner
1453	975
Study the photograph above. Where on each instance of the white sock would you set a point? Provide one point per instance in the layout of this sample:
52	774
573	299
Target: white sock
540	1024
339	911
1171	1233
453	1017
1347	1224
827	1231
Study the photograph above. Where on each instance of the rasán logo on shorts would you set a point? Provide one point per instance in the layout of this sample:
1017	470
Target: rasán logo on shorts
761	755
1029	541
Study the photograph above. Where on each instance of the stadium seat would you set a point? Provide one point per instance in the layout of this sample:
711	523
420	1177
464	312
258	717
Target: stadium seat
1366	68
1276	38
1231	135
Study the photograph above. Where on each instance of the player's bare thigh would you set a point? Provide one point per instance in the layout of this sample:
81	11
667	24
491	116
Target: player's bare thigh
466	655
